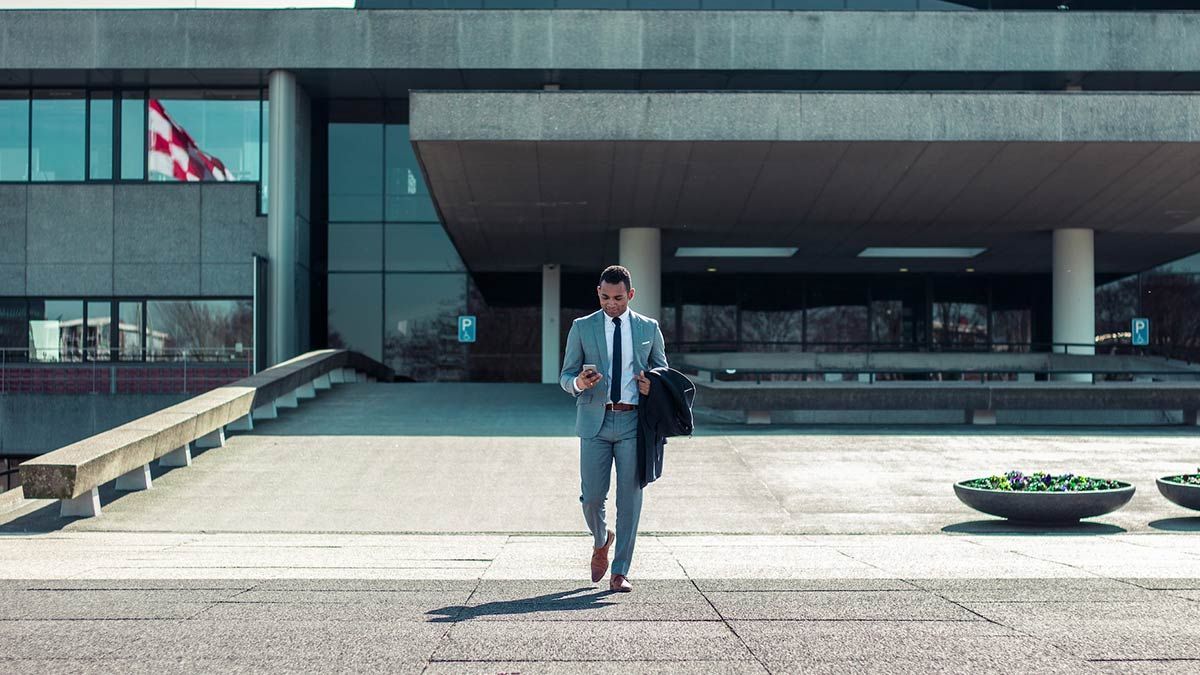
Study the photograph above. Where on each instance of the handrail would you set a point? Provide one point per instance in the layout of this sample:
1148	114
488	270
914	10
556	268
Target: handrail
74	472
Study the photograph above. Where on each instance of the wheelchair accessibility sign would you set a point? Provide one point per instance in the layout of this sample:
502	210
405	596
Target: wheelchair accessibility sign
466	329
1141	331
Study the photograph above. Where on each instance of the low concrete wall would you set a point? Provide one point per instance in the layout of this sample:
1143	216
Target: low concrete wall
37	423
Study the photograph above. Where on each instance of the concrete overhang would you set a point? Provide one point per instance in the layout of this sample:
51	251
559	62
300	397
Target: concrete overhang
200	40
525	178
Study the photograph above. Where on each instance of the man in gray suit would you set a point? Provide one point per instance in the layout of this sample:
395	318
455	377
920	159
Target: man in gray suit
620	345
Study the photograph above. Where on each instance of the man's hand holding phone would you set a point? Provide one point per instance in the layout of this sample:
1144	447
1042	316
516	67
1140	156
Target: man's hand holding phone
588	378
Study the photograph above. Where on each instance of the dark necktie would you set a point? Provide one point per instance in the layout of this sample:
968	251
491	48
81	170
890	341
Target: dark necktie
615	389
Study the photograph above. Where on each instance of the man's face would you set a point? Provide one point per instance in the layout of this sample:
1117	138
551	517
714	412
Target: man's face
614	298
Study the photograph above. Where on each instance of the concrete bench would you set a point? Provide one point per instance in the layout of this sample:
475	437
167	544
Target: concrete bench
979	401
75	472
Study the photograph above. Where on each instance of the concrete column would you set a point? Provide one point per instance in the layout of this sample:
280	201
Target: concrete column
641	253
1074	302
551	308
281	219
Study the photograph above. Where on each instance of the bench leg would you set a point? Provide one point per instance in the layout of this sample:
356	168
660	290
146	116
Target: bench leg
322	382
1191	418
266	411
181	456
337	376
83	506
982	417
138	479
288	400
243	423
213	439
758	417
306	391
372	378
360	377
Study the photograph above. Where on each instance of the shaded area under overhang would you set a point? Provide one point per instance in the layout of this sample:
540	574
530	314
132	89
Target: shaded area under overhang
522	179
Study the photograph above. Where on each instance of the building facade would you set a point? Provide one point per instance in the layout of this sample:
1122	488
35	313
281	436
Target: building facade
909	175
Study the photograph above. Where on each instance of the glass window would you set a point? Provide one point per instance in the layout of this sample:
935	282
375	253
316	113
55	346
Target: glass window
212	330
1116	305
836	315
266	153
100	132
14	331
419	248
98	336
14	135
1169	301
355	317
1012	330
133	136
421	315
407	197
959	323
59	128
129	330
709	326
356	172
56	330
224	125
355	247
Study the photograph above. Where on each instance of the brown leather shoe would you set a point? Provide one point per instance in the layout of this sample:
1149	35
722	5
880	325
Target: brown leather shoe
619	584
600	558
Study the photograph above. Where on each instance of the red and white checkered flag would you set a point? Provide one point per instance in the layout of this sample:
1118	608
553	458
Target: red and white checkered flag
173	152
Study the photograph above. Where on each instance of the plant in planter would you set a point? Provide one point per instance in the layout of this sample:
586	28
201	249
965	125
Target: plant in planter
1043	497
1183	489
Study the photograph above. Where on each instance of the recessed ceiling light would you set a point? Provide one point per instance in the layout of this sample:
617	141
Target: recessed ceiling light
735	251
712	269
903	269
970	269
918	252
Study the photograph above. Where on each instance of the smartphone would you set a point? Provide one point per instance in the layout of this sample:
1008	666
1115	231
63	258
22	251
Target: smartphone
589	366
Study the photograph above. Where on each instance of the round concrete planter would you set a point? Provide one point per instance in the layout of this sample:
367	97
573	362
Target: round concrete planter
1187	496
1044	507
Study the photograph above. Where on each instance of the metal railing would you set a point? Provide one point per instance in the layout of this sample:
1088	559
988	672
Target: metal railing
1097	368
100	371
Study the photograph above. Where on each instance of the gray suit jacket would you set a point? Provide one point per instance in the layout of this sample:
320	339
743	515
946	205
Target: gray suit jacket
586	344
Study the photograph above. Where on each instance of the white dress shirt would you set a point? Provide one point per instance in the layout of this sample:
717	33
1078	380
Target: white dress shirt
629	390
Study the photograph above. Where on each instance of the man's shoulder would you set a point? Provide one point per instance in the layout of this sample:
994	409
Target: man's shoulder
589	317
643	317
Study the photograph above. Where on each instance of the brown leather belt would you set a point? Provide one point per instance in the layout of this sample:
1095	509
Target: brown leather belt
620	407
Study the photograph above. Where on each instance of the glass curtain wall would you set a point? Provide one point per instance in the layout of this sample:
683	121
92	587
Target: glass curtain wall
396	285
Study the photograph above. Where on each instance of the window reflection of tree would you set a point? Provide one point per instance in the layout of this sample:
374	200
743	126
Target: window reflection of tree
772	331
1116	305
1170	302
837	328
429	349
959	325
208	330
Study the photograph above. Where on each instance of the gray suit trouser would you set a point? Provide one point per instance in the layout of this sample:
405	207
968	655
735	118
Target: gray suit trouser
617	440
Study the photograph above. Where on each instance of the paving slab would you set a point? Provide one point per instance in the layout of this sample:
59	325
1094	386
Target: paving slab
592	641
839	605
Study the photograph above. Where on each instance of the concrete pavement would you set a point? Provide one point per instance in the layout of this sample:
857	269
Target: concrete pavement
380	528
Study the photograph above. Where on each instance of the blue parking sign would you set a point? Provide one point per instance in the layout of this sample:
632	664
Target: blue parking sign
466	329
1140	329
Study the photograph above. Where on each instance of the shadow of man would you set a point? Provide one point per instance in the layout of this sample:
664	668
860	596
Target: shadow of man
559	601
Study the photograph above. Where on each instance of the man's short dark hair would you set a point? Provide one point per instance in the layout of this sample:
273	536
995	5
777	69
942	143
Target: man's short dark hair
615	274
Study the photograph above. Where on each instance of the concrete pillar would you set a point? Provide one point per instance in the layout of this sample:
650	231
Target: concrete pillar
640	252
83	506
551	309
213	439
137	479
1074	301
181	456
281	219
